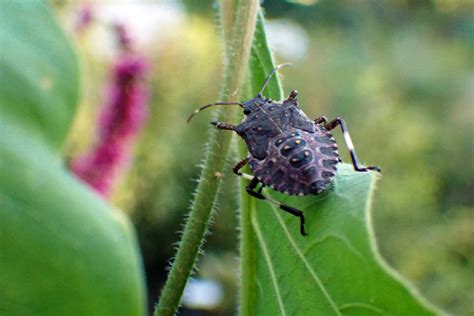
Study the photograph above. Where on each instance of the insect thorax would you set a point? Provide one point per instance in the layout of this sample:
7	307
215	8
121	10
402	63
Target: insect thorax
270	120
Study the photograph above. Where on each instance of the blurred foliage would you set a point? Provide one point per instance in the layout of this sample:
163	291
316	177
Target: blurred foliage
399	73
61	244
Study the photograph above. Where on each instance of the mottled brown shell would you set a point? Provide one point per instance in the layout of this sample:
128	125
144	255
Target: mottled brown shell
298	162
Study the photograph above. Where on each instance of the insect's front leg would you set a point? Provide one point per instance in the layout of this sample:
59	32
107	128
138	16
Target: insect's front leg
350	146
224	126
239	166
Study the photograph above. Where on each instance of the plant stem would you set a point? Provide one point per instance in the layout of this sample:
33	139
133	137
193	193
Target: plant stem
260	66
217	149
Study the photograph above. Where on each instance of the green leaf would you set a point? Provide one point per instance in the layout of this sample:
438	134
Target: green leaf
63	250
336	270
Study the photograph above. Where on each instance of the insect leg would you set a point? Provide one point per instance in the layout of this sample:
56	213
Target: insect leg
261	188
225	126
322	119
258	194
293	95
347	138
239	166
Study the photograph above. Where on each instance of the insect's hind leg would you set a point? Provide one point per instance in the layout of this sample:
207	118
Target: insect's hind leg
350	146
258	194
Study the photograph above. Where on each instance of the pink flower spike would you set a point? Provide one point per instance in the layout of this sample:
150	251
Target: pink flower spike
123	114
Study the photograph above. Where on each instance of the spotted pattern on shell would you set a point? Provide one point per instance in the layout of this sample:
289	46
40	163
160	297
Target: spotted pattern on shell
298	162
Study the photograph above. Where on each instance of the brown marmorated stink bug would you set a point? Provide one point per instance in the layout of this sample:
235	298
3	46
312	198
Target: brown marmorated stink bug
287	151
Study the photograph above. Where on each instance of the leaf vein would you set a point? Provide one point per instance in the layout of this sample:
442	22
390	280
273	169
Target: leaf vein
306	263
362	306
267	257
344	240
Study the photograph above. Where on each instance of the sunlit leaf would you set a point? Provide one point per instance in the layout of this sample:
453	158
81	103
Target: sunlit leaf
336	269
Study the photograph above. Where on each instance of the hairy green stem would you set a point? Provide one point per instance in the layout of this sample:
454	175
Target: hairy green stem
218	147
260	66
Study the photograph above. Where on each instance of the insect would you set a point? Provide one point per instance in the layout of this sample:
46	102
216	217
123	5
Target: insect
288	152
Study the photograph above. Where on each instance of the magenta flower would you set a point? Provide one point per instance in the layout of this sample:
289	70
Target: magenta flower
122	116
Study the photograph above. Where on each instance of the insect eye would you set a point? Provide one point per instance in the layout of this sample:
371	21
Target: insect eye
246	112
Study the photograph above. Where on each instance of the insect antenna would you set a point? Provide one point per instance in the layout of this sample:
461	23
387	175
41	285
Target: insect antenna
212	104
271	75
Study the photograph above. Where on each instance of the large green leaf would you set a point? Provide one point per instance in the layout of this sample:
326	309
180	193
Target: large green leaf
335	270
63	251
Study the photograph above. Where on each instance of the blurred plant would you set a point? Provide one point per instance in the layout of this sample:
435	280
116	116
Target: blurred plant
84	17
124	40
122	116
63	249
